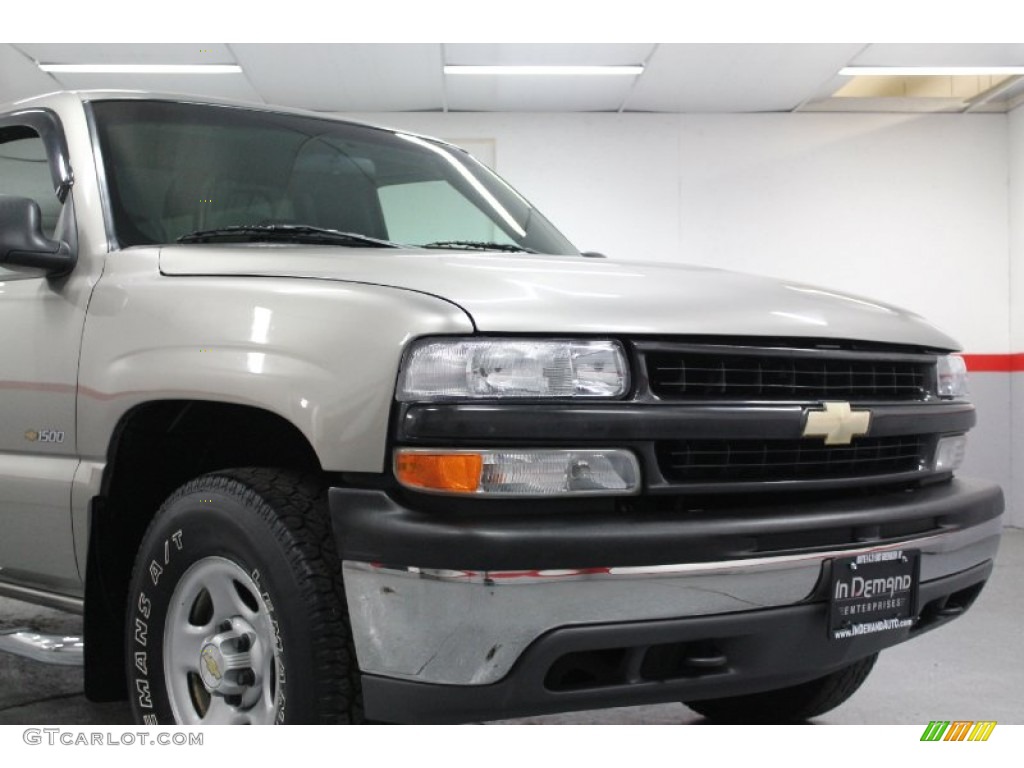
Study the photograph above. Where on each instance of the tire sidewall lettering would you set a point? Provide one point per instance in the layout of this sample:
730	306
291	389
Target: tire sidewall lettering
282	698
144	624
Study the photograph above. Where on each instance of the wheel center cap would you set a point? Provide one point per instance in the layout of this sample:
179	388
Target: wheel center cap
229	659
211	666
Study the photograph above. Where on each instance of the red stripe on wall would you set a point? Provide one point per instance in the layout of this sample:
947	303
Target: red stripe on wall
995	363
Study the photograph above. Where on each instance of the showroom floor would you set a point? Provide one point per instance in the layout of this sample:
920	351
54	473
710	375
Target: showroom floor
971	670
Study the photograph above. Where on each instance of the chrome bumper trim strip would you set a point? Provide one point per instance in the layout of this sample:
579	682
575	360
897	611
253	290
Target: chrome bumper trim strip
505	578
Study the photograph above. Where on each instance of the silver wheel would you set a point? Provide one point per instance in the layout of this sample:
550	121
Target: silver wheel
220	650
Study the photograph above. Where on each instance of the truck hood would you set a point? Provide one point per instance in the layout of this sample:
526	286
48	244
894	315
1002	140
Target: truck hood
524	293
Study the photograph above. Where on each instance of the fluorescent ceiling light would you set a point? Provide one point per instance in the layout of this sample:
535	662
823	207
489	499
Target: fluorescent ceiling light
534	69
928	71
143	69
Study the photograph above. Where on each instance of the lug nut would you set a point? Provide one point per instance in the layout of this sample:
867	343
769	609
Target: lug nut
246	677
225	625
233	701
244	644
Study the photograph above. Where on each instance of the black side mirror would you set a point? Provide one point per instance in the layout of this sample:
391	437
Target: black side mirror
22	242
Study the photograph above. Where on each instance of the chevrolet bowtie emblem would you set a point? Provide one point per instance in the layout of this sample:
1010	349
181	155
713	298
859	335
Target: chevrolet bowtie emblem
210	659
838	423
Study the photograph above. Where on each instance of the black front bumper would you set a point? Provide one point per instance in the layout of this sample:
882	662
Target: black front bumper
374	527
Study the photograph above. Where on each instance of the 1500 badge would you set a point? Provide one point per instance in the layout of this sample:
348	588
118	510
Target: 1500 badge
45	436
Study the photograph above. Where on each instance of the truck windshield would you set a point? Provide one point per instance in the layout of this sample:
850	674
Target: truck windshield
177	168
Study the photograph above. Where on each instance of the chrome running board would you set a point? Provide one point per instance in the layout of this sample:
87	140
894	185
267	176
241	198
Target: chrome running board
47	649
39	597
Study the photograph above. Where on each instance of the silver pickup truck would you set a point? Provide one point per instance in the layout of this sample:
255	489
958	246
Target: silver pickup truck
320	422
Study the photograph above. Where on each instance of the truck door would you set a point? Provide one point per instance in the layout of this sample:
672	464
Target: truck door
41	322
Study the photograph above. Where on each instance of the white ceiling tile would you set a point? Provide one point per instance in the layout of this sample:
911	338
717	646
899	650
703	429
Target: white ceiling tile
20	77
128	53
488	93
941	55
349	77
736	78
408	77
550	54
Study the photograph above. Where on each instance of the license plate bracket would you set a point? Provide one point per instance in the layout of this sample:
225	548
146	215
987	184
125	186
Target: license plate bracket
873	592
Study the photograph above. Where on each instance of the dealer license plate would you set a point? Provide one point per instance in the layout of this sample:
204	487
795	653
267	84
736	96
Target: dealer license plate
873	592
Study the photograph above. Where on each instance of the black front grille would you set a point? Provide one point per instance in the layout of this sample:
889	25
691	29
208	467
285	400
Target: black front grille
717	461
776	375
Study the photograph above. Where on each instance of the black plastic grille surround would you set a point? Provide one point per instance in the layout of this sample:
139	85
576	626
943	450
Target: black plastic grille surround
715	461
785	375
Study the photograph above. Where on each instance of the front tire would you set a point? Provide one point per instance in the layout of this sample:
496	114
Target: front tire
236	608
795	704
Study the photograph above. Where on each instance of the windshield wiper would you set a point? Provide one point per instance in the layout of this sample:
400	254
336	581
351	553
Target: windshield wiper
478	245
291	233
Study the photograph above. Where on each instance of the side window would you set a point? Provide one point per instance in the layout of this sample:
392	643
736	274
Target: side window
25	172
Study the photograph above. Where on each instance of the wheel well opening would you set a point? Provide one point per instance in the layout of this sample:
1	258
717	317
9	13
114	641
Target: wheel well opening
156	448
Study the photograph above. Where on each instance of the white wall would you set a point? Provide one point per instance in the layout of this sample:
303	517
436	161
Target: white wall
1016	249
1015	126
910	209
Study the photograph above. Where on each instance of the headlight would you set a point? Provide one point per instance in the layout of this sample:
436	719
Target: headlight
952	373
443	369
514	472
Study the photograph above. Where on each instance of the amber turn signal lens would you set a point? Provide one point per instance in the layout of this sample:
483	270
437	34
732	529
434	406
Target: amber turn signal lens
458	472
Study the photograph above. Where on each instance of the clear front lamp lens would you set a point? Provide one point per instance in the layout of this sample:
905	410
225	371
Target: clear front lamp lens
439	369
952	373
548	473
949	454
